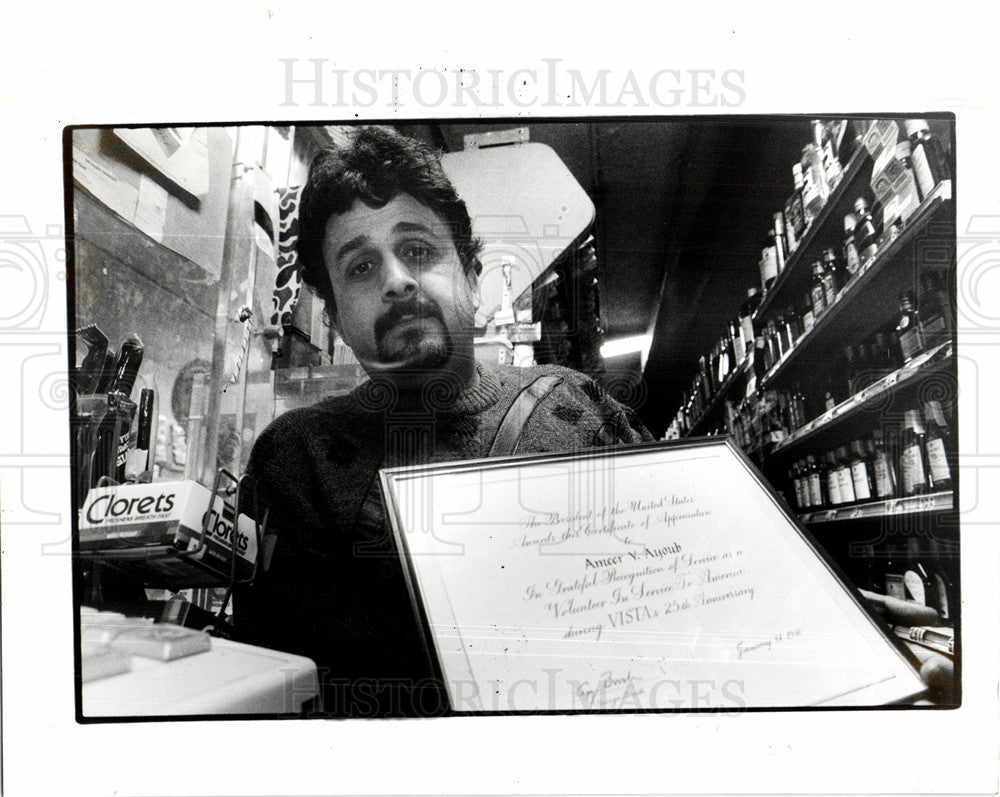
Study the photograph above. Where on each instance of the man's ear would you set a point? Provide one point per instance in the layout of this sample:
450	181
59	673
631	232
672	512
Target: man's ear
472	277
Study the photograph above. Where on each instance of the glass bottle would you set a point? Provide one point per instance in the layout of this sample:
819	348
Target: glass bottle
832	480
844	478
795	477
797	402
817	291
850	373
929	161
863	376
908	333
912	472
861	475
747	309
791	328
779	242
814	187
817	483
936	317
768	267
883	468
865	233
736	343
852	262
831	276
938	445
807	314
795	214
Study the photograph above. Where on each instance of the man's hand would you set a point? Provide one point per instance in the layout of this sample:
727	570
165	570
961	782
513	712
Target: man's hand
937	671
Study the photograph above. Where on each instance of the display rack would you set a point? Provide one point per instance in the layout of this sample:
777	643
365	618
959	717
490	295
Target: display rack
862	307
165	566
876	284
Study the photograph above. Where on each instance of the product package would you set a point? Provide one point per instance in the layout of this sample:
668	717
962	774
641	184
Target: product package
170	534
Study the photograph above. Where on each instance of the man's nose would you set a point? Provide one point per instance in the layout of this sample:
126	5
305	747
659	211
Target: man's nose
398	281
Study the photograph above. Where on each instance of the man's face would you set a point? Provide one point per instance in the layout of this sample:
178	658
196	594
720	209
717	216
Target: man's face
404	302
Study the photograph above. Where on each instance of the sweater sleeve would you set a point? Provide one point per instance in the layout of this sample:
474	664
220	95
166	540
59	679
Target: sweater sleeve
292	560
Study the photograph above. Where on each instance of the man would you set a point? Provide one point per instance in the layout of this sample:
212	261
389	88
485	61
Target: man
388	244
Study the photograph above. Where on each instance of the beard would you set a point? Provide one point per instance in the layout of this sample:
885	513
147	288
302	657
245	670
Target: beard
413	335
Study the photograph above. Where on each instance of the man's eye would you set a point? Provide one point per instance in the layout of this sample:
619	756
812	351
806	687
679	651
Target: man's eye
361	268
418	252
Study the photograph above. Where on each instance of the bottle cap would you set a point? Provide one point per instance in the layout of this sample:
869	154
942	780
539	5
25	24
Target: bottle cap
906	297
797	174
850	222
861	206
913	126
751	292
817	268
829	254
933	412
903	150
842	452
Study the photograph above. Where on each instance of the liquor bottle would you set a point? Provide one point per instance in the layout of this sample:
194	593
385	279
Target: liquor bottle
883	468
747	309
816	482
797	404
779	241
929	161
844	477
791	327
862	377
795	477
861	475
850	369
768	267
795	216
817	291
832	282
807	314
908	333
883	357
905	187
938	444
865	233
912	473
936	317
832	480
814	187
834	389
852	262
736	343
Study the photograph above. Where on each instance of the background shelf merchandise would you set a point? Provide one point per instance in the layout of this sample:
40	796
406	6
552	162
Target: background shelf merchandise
851	412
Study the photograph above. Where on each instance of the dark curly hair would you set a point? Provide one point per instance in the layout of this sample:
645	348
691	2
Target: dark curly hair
376	165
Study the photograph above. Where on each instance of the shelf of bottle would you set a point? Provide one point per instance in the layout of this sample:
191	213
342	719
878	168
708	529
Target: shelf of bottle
914	504
847	321
725	390
797	271
874	395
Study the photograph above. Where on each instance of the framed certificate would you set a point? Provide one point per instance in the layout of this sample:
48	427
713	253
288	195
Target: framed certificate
652	577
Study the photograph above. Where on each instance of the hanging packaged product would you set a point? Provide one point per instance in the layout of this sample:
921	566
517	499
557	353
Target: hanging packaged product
157	529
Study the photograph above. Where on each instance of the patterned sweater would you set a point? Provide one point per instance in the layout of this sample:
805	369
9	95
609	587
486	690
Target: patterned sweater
333	589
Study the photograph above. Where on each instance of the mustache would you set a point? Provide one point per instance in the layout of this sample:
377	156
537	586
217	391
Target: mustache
420	307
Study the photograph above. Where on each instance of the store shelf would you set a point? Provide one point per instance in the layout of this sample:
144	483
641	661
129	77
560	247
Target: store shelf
725	391
876	394
828	224
933	502
876	285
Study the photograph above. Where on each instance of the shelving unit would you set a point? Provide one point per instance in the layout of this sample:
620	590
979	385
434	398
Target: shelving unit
820	431
865	305
794	280
893	507
875	285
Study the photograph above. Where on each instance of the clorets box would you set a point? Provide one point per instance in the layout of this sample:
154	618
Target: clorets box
154	532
